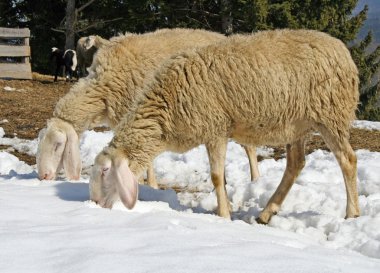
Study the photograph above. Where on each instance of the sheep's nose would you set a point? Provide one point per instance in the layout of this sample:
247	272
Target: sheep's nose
96	201
74	177
46	176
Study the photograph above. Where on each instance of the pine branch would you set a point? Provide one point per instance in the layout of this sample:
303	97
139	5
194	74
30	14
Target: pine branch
195	20
85	6
375	55
57	30
201	11
96	24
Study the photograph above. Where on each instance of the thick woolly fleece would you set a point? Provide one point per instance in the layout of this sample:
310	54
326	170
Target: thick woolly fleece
119	70
271	87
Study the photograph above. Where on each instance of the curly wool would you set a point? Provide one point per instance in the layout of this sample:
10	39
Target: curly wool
271	87
119	70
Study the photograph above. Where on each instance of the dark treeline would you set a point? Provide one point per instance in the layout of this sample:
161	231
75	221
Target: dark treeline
60	23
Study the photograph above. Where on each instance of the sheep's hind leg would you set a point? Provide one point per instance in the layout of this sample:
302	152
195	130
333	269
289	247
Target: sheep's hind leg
217	155
56	74
295	161
347	160
252	157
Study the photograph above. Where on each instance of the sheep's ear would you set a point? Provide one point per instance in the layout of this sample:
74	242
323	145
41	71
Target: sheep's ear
126	183
102	188
90	42
71	155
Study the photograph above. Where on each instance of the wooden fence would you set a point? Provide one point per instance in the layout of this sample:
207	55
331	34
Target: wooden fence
15	53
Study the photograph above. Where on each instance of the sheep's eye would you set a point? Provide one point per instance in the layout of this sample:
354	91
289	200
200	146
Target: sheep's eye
57	146
104	170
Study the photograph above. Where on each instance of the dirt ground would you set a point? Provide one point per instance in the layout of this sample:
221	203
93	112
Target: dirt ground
25	105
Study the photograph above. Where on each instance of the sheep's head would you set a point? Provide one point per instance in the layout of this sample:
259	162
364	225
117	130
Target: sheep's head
89	42
58	147
111	179
54	52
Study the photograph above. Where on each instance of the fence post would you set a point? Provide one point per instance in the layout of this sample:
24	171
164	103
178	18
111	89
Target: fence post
14	57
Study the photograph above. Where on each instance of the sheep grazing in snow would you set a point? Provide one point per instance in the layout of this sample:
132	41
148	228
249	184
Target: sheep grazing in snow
86	48
272	87
67	59
117	73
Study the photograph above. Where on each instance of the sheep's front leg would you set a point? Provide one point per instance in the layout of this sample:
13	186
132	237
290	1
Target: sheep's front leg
151	178
68	74
217	154
252	157
295	161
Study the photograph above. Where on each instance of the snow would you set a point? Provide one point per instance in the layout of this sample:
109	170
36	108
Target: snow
8	88
365	124
11	89
4	121
51	226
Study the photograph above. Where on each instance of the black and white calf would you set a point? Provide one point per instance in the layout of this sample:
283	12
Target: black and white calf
68	59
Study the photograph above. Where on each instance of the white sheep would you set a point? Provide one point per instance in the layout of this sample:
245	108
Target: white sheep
86	48
272	87
116	74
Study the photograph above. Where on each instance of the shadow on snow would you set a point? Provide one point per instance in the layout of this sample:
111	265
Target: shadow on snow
79	192
69	191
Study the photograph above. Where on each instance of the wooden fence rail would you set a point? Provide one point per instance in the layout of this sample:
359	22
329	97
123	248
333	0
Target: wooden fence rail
15	56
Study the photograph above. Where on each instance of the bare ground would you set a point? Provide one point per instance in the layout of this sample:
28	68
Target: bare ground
25	109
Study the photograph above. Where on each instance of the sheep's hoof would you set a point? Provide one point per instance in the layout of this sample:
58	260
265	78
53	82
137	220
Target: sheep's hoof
260	222
351	216
224	213
153	184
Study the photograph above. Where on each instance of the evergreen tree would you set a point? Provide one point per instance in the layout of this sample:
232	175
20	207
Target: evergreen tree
39	16
368	65
110	17
7	14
